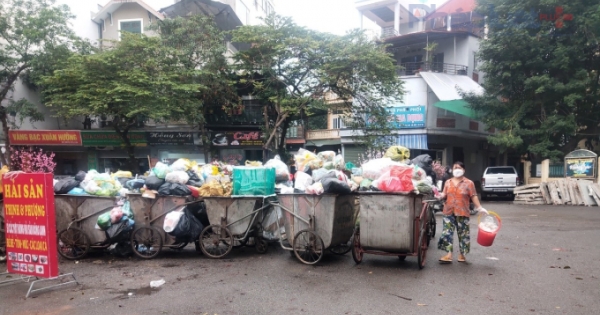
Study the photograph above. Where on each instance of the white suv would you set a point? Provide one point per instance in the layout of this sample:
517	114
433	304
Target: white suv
499	180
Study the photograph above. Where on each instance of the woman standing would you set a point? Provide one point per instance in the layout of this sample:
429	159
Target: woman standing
458	192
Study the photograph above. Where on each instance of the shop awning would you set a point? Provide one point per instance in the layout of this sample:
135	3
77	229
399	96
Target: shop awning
412	141
446	87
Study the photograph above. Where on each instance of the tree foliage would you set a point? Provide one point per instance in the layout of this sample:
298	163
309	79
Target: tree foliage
34	39
297	67
199	46
138	78
542	71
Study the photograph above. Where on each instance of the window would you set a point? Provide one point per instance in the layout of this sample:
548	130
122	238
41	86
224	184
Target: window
241	10
131	26
338	123
475	63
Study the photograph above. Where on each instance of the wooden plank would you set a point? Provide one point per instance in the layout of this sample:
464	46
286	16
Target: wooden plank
554	194
518	188
576	193
596	193
527	191
564	192
545	193
529	203
584	191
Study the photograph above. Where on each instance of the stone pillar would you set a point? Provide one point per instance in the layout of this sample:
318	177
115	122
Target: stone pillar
527	172
397	18
545	170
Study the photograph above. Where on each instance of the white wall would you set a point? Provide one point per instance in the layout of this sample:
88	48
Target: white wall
415	92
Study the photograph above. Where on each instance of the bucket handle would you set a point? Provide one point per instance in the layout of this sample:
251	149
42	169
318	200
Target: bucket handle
492	213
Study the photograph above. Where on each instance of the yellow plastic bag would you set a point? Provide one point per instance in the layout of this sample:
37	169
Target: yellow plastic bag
122	174
253	163
397	153
212	189
3	171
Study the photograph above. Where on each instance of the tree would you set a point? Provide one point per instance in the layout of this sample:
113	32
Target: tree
542	66
298	66
34	38
138	78
200	48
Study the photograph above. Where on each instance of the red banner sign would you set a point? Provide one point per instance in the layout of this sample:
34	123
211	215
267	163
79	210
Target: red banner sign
30	225
45	137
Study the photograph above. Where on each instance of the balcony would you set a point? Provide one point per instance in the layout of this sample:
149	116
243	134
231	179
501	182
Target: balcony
323	134
295	132
248	115
412	68
387	32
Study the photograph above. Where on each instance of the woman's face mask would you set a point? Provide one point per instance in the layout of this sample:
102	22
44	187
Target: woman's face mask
458	172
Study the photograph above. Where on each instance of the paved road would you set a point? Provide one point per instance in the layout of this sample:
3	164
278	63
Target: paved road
546	260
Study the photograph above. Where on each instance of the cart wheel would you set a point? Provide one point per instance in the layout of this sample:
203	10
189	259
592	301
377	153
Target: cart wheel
179	246
308	247
261	245
422	251
73	243
402	257
432	227
146	242
342	249
357	253
216	241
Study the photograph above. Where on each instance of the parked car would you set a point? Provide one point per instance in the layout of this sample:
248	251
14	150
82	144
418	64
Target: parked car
500	181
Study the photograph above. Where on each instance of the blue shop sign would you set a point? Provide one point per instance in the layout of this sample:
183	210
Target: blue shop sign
408	116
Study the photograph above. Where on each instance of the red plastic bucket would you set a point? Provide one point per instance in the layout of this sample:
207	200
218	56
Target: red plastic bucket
486	238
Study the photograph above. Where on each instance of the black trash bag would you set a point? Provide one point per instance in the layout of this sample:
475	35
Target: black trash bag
188	228
335	186
135	184
65	185
425	162
198	210
154	183
193	176
173	189
194	183
124	180
80	177
122	249
118	230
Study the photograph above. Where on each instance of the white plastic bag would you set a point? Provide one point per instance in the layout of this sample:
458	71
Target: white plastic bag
305	157
177	177
338	162
282	172
315	189
171	220
326	156
489	224
374	168
90	187
303	180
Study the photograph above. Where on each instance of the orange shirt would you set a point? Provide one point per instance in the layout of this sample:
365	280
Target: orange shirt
458	197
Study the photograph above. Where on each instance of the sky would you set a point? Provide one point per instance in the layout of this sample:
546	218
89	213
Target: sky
333	16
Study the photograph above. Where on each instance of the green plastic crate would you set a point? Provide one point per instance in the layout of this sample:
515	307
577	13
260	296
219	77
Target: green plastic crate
253	181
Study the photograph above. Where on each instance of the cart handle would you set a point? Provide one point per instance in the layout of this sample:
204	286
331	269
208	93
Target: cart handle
87	216
164	213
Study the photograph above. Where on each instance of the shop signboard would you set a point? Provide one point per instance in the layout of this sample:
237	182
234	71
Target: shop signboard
30	224
112	139
45	137
237	138
581	167
170	138
408	116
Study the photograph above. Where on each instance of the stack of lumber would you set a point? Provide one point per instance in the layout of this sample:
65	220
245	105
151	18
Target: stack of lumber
532	194
566	191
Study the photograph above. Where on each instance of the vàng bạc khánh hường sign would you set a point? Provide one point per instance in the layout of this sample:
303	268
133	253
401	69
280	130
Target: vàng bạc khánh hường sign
30	224
112	139
45	137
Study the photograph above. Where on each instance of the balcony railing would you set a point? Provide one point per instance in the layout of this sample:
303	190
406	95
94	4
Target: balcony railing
295	132
323	134
387	32
412	68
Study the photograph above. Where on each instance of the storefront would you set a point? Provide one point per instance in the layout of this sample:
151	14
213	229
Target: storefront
237	147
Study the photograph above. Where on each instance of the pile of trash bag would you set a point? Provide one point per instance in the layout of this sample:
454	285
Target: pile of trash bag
320	173
396	173
116	221
183	225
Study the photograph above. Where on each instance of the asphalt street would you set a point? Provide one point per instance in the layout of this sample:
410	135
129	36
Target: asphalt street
545	260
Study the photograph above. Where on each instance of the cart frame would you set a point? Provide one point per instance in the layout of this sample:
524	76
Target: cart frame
421	233
307	245
217	240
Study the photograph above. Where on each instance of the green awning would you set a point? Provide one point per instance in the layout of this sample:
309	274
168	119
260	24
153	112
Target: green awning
457	106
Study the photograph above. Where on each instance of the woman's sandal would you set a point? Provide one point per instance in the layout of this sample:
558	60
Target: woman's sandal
462	259
445	260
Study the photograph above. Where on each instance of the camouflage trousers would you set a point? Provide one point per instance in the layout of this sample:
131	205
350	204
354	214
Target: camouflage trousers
461	224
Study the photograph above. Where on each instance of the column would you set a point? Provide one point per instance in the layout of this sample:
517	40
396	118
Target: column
397	18
545	170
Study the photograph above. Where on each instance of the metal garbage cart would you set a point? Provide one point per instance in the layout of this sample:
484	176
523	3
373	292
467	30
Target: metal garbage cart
76	217
149	237
233	221
314	223
392	224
